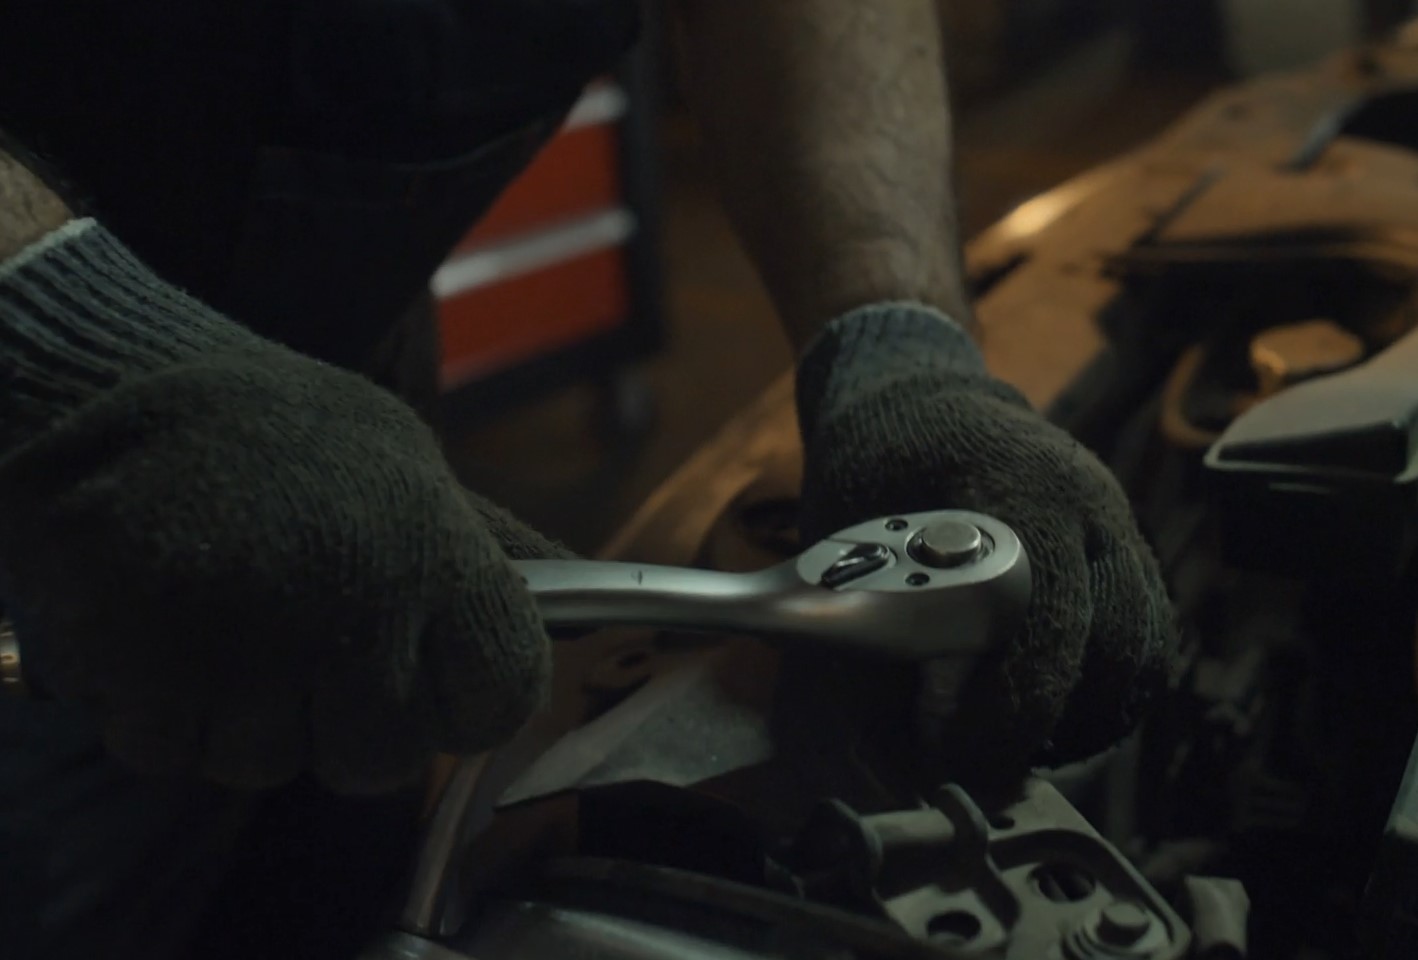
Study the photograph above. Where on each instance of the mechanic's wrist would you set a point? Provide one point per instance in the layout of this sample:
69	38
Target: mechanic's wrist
29	208
878	344
78	313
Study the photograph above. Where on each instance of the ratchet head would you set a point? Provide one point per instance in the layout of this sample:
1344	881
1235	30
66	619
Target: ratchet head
918	586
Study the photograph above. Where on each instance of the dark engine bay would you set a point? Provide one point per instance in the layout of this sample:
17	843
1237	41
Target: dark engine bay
1225	317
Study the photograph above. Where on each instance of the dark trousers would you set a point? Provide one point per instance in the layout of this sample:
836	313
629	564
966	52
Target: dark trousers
101	864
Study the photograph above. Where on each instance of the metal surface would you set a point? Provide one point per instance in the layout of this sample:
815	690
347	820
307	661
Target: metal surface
1123	924
947	543
901	609
1283	356
1361	421
1034	880
1319	480
939	881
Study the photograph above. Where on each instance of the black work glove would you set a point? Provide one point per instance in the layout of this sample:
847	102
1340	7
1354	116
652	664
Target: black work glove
246	563
899	415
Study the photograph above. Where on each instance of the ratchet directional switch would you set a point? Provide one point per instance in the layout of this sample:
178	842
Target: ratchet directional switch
856	563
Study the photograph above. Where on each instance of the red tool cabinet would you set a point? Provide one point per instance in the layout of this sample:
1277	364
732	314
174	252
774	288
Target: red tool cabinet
560	280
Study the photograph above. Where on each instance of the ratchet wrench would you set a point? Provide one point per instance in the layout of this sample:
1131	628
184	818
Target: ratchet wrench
917	586
913	587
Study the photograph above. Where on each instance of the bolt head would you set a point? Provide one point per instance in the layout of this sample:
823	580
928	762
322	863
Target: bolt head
1123	924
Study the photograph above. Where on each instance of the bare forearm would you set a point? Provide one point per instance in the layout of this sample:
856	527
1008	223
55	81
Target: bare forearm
28	208
828	124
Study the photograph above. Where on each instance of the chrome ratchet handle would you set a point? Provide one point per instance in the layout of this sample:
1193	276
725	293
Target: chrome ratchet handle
590	593
914	587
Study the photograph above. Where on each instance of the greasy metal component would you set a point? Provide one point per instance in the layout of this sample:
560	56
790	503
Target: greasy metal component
1203	392
1354	421
862	589
1319	480
1033	880
1122	924
947	543
1218	909
1282	356
1119	930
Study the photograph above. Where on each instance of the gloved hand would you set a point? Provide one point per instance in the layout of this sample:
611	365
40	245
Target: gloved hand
246	563
899	415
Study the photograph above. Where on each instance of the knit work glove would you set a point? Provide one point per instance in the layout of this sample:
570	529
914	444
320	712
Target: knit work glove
898	414
245	563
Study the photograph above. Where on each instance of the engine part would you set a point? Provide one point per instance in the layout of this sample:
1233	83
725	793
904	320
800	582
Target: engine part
1320	479
1034	880
937	882
1284	356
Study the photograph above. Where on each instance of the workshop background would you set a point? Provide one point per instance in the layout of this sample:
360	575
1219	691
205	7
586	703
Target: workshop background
602	322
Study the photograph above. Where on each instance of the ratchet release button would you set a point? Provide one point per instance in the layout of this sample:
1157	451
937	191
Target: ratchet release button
946	544
855	563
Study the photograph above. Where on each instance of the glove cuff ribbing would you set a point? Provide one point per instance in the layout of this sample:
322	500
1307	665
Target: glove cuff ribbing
78	313
875	344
